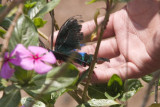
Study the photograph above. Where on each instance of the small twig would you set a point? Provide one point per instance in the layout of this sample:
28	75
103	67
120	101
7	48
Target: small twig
155	77
104	23
9	8
52	32
42	35
156	90
75	96
9	33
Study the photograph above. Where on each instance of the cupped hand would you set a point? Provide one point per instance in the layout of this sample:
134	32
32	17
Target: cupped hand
134	42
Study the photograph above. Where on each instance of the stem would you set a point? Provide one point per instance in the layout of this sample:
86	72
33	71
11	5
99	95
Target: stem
97	49
52	32
9	32
42	35
156	75
156	90
9	8
76	97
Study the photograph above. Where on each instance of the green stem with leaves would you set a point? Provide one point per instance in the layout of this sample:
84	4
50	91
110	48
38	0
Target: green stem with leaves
9	32
103	27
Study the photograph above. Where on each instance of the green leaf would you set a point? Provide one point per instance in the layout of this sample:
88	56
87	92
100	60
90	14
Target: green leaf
56	94
155	105
39	22
11	98
102	102
93	1
147	78
27	102
115	78
97	91
2	32
23	76
131	86
6	23
47	8
2	8
39	5
83	76
3	84
24	33
64	77
110	97
99	103
115	85
28	5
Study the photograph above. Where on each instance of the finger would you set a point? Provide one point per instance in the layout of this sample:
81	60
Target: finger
125	71
89	27
108	48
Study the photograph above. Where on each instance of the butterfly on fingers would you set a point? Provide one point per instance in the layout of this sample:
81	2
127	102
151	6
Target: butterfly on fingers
68	40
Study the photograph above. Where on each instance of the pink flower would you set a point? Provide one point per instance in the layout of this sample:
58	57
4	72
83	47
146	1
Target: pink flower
35	58
7	71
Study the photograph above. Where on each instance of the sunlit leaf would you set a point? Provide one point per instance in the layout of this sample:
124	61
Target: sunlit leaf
24	33
131	86
38	6
3	83
27	102
115	85
2	32
93	1
28	5
39	22
47	8
98	103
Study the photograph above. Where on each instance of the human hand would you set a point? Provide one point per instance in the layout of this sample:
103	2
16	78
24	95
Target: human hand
134	50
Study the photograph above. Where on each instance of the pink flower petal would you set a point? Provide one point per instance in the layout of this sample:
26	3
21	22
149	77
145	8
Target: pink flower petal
37	50
49	57
27	63
41	67
16	61
21	51
6	71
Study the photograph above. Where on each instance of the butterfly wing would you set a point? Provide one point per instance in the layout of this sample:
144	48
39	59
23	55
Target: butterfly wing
69	36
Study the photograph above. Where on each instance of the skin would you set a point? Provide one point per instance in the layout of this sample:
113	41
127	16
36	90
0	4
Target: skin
134	42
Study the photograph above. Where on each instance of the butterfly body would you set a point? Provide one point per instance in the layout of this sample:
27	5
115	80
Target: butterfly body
68	39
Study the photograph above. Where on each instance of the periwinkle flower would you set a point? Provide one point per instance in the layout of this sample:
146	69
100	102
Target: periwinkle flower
35	58
7	71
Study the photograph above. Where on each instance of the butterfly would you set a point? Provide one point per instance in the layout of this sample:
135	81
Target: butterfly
68	39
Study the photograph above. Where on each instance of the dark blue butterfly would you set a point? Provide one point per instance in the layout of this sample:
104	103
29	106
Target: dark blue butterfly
68	39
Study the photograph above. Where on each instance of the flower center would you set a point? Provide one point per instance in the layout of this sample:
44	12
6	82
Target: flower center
6	59
36	57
